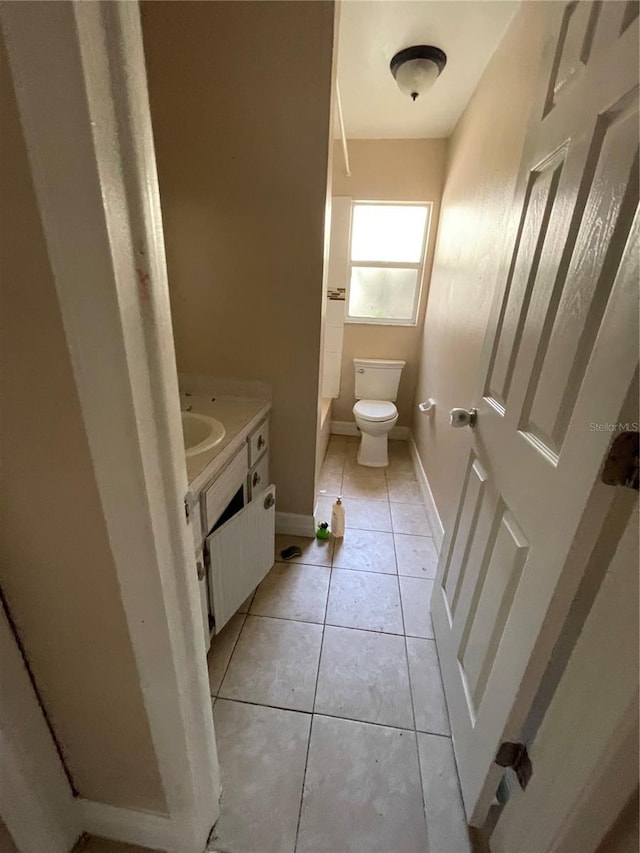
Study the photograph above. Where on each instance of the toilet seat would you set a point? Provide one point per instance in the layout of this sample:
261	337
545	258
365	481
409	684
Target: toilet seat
375	411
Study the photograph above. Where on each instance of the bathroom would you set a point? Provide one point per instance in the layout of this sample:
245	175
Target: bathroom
330	728
254	215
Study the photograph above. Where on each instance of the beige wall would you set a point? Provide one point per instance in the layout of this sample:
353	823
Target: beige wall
484	158
56	569
389	170
240	102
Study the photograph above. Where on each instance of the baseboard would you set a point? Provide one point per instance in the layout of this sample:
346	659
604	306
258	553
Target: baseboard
145	829
430	505
293	524
399	433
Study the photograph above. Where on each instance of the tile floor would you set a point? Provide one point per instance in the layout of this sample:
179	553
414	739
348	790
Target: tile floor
330	717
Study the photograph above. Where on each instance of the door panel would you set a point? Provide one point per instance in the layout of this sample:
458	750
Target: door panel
599	687
240	555
561	362
577	27
485	624
560	355
540	202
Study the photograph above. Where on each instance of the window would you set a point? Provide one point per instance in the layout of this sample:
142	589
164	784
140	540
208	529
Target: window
385	262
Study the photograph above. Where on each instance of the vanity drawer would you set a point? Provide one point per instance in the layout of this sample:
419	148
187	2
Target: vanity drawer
258	478
216	498
258	443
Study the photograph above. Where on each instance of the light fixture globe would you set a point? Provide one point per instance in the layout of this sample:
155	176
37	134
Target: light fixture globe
416	69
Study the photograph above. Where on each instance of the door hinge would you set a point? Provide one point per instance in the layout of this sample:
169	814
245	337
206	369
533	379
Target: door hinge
622	465
187	510
515	756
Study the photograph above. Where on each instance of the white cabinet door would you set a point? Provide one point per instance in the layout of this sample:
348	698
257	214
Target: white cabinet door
241	552
204	597
561	354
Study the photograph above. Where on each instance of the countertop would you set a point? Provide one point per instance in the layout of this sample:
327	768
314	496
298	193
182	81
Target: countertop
239	416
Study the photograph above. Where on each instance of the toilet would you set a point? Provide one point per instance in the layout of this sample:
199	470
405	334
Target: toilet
376	382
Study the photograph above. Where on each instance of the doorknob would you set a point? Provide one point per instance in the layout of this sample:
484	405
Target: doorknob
463	417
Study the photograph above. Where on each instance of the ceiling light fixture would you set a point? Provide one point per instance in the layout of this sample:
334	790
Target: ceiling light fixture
416	69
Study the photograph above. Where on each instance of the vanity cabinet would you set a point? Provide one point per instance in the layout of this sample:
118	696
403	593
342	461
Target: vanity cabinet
238	521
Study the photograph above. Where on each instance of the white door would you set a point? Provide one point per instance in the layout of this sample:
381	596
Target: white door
240	553
560	357
581	790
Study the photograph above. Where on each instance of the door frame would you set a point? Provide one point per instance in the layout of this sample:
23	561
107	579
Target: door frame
86	119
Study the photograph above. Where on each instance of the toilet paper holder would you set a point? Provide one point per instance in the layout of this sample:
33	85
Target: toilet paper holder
428	407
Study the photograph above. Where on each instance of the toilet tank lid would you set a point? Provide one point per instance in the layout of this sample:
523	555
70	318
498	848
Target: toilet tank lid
378	363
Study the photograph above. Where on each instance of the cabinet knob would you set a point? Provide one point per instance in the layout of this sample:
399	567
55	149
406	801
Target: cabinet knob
269	501
256	479
261	442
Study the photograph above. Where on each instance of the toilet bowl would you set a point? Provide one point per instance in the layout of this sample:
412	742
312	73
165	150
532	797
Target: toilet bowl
375	419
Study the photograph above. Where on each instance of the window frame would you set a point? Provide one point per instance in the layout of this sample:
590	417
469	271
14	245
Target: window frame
418	266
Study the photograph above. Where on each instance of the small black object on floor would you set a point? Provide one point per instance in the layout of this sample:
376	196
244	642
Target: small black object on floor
291	552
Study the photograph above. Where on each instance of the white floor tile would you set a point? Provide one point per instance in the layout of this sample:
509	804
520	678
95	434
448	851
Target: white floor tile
364	676
333	463
315	552
416	555
408	518
262	753
275	662
364	600
293	591
403	474
362	790
337	442
446	820
416	606
429	704
330	483
400	467
404	492
352	468
221	650
367	515
397	447
367	488
365	550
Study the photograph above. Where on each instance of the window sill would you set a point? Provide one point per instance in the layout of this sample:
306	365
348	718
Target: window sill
403	324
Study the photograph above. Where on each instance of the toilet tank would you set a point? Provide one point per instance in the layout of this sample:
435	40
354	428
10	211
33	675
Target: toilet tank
377	378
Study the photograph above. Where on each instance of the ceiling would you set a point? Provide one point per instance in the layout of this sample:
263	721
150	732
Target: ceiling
372	31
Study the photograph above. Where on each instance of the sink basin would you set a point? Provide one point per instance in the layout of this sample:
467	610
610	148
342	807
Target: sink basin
200	433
